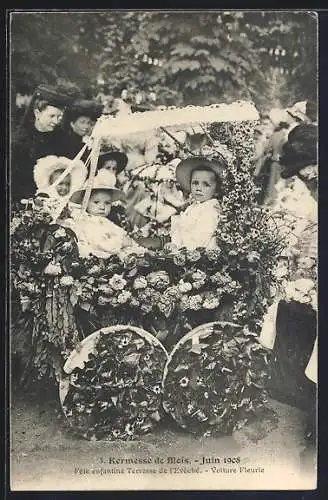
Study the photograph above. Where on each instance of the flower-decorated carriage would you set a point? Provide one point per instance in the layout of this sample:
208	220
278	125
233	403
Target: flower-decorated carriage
105	328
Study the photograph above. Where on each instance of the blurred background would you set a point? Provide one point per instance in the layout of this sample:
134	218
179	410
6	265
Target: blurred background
150	59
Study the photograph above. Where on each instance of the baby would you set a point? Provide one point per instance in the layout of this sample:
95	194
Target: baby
196	226
63	187
48	169
95	233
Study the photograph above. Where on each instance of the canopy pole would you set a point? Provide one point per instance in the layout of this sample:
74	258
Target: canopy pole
69	168
93	167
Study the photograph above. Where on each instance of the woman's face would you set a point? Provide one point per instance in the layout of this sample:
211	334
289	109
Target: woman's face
203	185
47	119
83	125
100	203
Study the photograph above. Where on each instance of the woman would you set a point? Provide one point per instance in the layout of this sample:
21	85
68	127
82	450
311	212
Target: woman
79	122
38	136
293	331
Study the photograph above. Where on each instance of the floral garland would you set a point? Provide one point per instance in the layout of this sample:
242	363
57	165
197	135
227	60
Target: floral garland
168	292
41	256
116	392
215	378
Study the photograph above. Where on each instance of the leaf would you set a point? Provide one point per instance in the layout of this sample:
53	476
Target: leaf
132	272
211	366
131	359
218	63
197	348
184	65
156	416
181	367
183	50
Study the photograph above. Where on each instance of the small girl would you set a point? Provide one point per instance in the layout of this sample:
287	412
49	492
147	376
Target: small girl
195	227
95	233
48	169
109	164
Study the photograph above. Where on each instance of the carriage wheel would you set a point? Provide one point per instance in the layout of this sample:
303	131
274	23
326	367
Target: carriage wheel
113	384
214	378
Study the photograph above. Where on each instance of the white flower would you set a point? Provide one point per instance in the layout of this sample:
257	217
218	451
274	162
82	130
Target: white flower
53	269
140	282
281	272
211	303
15	222
306	262
195	302
66	280
117	282
304	285
184	287
60	233
123	297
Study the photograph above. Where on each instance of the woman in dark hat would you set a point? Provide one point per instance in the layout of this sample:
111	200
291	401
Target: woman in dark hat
293	366
78	124
38	136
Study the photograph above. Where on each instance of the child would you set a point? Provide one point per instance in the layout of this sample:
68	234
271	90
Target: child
95	233
110	163
202	179
48	169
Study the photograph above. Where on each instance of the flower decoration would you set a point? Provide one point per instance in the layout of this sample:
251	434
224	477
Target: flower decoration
116	393
215	394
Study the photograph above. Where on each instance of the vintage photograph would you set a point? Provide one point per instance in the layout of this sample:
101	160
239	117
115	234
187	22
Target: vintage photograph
163	250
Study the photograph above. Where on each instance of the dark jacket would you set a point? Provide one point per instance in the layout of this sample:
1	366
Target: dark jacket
28	145
72	144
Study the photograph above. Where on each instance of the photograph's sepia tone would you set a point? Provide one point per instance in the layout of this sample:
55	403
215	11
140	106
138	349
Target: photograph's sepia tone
163	250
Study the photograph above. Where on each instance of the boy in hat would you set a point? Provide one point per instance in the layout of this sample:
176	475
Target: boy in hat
201	178
38	136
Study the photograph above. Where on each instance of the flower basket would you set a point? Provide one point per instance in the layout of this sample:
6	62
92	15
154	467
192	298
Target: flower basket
215	378
113	387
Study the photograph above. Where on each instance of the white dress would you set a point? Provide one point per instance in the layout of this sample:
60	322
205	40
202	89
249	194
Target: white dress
100	237
196	226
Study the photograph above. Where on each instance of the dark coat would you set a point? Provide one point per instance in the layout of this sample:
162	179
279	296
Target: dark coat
28	145
72	144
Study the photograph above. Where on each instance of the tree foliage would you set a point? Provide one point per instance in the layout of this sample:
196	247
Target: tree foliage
186	58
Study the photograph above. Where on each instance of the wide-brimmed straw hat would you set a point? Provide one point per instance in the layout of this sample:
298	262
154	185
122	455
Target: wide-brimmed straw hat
187	166
98	185
120	158
46	166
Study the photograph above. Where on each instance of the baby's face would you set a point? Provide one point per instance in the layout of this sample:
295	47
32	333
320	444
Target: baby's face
63	188
110	165
203	185
100	203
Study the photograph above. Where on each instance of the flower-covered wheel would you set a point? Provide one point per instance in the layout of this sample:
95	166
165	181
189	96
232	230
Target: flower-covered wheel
113	384
215	378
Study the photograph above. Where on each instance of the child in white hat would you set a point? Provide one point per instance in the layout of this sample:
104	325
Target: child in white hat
96	234
48	169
